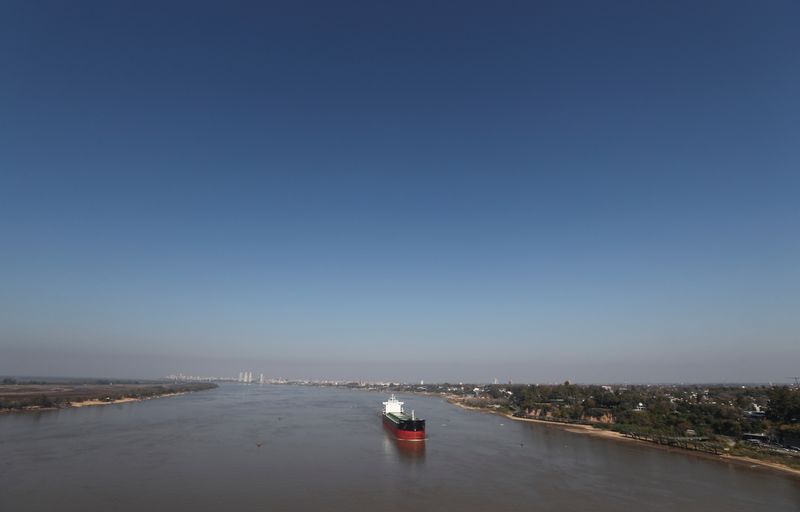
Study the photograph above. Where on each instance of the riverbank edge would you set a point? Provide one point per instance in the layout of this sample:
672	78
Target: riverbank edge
616	436
124	400
92	402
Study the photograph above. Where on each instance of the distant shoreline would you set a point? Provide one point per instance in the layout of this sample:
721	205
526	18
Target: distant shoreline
609	434
24	398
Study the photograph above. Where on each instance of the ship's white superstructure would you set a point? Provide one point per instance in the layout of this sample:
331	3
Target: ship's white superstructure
393	405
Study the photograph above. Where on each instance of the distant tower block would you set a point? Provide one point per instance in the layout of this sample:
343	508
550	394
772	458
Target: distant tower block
241	376
261	379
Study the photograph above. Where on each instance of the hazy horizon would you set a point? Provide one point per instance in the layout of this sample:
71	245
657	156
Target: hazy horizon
74	364
593	192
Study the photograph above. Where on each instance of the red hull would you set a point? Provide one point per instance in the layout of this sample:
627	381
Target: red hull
405	435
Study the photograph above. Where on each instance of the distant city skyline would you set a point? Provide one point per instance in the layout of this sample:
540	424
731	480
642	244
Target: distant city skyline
545	191
73	364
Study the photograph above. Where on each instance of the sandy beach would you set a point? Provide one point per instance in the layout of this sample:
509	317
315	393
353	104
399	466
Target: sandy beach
124	400
87	403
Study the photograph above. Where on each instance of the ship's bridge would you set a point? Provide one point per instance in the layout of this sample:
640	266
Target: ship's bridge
393	405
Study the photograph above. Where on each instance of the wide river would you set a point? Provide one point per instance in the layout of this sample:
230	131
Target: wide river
325	449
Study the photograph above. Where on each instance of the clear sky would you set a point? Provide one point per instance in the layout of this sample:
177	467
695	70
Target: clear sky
599	191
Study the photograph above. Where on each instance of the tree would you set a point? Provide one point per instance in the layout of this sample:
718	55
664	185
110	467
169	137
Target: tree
784	404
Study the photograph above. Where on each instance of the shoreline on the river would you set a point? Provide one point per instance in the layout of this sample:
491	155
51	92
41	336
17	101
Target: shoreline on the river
610	434
40	397
124	400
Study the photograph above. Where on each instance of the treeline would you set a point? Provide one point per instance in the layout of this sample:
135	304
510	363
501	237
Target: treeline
784	404
658	410
40	397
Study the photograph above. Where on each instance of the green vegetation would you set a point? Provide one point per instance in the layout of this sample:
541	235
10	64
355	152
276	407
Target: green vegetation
31	395
761	422
784	404
701	411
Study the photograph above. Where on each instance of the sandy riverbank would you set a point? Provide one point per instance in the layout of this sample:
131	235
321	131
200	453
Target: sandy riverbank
124	400
87	403
609	434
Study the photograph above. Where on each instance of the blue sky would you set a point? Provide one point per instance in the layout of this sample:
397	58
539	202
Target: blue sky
601	191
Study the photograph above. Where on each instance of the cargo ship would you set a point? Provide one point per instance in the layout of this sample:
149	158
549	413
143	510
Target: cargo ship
403	426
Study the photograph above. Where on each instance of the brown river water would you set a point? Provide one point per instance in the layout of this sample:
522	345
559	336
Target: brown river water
325	449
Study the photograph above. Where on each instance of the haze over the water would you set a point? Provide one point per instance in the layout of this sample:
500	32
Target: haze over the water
599	191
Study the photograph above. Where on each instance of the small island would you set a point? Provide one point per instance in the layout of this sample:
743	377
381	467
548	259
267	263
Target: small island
20	395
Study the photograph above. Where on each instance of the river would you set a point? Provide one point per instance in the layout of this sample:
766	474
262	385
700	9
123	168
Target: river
325	449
